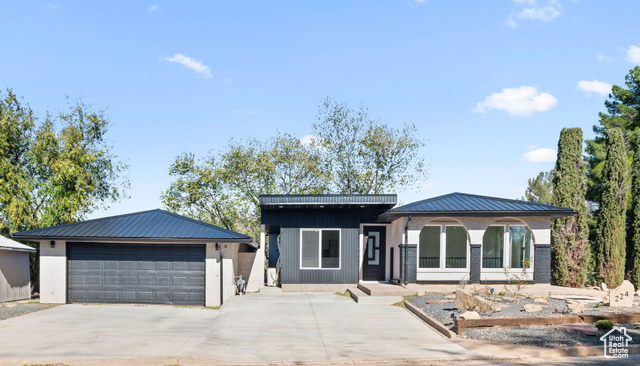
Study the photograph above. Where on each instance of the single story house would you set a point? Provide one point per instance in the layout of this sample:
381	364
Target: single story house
15	279
329	242
154	257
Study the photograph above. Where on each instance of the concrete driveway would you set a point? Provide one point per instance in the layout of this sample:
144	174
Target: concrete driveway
255	328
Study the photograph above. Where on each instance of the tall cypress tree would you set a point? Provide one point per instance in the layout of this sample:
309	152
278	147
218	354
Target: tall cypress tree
570	235
610	237
635	213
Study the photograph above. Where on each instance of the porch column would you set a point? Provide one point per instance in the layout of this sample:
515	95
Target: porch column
408	258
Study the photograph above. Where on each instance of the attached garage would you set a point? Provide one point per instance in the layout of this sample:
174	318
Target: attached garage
150	257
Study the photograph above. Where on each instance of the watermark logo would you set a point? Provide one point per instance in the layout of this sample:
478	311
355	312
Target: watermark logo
616	343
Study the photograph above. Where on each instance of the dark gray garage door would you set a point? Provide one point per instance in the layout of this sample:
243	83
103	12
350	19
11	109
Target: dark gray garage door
129	273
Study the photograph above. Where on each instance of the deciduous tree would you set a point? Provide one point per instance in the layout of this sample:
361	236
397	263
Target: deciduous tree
540	188
363	155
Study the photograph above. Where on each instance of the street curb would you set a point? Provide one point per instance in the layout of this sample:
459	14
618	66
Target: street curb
429	320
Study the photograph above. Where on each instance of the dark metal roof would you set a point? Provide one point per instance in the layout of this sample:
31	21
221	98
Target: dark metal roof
153	225
327	200
470	204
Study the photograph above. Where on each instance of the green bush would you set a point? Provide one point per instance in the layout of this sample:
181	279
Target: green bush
604	324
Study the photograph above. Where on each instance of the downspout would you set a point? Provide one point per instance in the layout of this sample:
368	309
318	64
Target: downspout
406	243
221	274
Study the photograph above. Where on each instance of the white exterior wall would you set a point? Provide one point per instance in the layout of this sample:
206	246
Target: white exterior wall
540	227
15	280
53	272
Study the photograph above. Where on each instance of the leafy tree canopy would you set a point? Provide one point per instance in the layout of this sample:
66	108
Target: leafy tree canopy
349	153
56	170
540	188
623	112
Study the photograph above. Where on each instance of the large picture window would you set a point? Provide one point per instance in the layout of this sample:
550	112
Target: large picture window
506	246
320	249
431	254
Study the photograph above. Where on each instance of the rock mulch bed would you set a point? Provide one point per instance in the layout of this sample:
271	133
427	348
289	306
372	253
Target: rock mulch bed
547	336
511	308
443	310
13	309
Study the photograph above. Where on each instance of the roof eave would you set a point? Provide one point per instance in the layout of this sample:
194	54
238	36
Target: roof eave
137	239
398	214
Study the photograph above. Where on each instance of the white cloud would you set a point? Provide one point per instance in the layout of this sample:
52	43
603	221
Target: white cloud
430	185
307	140
541	155
534	11
633	54
545	13
521	101
194	65
604	58
154	7
599	87
252	113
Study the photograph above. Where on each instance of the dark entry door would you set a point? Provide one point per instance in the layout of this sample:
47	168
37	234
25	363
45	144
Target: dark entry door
373	268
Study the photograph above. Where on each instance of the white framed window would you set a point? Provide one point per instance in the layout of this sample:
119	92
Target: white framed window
320	248
443	247
507	246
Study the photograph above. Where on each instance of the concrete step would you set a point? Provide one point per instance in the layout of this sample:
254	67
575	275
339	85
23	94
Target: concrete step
271	290
361	297
383	289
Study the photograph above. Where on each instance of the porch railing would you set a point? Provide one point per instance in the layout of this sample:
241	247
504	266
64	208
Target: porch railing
492	262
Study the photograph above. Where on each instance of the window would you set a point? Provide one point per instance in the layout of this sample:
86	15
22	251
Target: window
452	255
493	247
320	249
429	247
456	247
506	246
520	245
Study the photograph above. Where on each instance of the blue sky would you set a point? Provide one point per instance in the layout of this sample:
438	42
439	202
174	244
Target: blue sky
489	84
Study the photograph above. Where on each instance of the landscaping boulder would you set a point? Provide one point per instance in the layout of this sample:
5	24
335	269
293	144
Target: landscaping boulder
604	287
532	308
579	328
465	300
575	306
450	297
540	300
470	315
421	293
483	291
622	296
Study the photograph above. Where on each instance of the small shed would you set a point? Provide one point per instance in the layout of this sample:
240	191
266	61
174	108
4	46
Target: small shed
15	280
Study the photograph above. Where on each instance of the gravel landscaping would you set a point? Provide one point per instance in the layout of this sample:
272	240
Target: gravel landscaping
547	336
13	309
512	307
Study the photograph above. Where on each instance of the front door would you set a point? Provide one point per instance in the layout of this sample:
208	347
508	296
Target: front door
373	268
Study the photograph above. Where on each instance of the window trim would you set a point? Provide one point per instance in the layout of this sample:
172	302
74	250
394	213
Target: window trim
507	250
443	250
320	230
